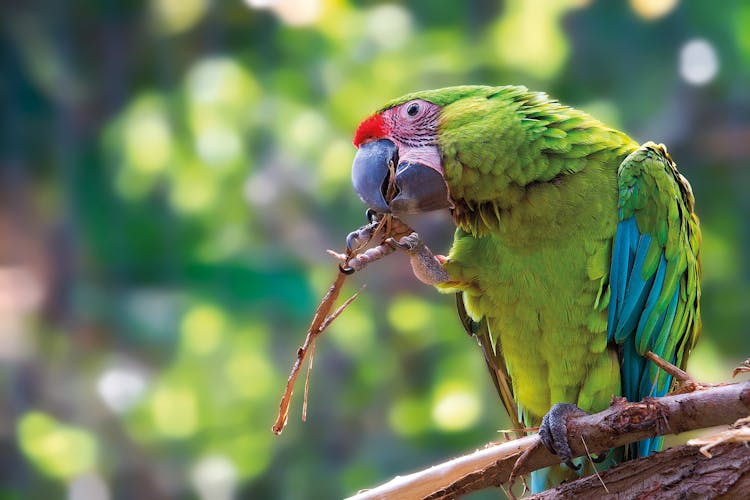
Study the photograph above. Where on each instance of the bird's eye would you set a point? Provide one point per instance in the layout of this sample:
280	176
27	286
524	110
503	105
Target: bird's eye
412	109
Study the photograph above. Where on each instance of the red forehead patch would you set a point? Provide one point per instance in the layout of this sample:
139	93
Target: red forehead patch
372	128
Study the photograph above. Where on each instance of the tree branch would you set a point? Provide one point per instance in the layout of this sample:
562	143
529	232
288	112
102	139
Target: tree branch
621	424
681	472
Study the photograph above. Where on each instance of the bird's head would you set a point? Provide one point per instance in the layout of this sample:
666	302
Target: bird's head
400	142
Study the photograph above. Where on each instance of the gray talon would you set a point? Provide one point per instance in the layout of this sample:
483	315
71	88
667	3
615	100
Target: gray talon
425	266
409	244
554	431
351	240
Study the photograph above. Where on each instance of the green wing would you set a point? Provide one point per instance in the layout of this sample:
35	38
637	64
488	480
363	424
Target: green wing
493	356
497	144
655	273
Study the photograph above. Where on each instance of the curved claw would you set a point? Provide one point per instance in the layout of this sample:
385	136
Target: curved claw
397	245
346	270
352	240
371	215
408	244
554	431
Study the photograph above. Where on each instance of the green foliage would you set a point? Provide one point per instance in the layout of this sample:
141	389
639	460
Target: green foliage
172	172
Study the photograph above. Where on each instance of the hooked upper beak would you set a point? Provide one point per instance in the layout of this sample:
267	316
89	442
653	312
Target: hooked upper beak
418	188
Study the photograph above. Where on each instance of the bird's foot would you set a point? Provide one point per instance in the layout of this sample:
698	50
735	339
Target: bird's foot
362	236
409	244
554	431
427	267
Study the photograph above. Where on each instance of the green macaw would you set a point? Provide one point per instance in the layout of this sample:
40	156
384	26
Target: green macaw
576	250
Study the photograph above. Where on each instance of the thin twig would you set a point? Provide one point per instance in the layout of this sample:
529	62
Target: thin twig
680	375
743	368
340	309
521	462
738	433
307	382
588	454
386	227
315	329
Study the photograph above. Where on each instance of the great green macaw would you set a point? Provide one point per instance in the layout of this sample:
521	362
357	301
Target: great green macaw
576	249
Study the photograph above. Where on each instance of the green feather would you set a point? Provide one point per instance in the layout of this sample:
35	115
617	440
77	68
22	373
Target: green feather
538	192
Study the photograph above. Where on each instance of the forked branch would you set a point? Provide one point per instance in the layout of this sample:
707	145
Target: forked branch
356	257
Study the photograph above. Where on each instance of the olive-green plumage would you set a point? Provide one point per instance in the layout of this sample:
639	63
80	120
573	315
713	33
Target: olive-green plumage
576	250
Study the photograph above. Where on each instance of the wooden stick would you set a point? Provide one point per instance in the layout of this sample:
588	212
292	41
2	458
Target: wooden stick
680	375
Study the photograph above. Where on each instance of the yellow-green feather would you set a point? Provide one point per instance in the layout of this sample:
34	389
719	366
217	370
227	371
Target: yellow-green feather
534	187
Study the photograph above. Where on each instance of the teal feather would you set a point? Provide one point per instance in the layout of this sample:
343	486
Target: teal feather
654	304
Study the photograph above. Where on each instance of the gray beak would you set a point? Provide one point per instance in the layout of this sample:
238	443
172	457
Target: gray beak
418	188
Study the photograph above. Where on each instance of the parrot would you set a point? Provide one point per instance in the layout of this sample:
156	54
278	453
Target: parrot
576	249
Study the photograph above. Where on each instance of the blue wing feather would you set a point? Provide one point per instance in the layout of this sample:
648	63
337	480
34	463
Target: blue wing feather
649	286
637	290
627	233
634	302
646	309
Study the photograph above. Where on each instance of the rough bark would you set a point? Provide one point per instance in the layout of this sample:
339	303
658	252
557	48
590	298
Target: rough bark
681	472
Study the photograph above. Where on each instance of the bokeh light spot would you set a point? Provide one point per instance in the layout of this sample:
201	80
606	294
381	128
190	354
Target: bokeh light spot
249	373
148	136
221	81
217	142
174	411
202	329
193	190
653	9
58	450
529	37
308	129
121	387
699	63
292	12
88	486
179	15
455	407
214	478
389	25
353	332
409	314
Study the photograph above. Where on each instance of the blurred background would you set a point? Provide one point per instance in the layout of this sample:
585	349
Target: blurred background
171	172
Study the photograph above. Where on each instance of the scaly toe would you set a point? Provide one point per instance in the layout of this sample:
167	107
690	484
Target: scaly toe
408	244
554	431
